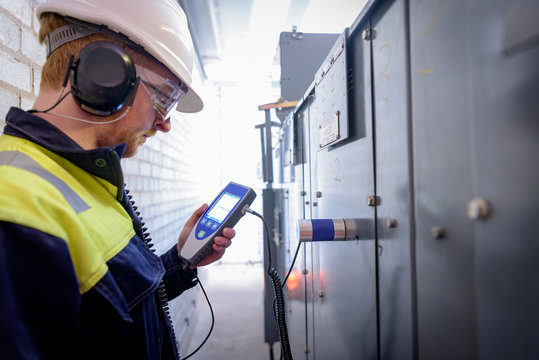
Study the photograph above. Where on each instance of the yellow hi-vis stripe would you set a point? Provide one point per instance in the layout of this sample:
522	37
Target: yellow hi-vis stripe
41	190
23	161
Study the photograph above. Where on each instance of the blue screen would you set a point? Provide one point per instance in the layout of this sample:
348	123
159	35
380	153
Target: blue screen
223	207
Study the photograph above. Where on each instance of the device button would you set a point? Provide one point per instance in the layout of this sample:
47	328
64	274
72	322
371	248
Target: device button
214	226
201	234
203	221
209	223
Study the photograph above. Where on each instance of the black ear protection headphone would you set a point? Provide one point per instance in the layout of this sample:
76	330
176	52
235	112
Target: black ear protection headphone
103	78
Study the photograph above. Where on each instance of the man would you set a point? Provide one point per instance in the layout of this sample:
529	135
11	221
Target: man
77	279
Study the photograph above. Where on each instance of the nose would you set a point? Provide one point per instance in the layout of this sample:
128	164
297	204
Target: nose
161	125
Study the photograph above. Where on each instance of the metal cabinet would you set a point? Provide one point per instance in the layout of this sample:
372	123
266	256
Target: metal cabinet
446	317
430	136
392	123
504	127
343	273
475	83
293	209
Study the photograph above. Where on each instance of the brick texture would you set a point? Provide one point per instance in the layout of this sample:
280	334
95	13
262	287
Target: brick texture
169	178
21	56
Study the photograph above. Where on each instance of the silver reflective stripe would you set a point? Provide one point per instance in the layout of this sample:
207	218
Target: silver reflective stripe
23	161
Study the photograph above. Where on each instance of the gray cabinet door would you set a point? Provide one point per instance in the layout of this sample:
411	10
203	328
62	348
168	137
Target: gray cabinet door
393	180
442	149
504	68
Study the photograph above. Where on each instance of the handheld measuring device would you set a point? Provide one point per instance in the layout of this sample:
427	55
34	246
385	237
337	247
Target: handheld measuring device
224	211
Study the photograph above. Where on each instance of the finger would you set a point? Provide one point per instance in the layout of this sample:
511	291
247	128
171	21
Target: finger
218	251
196	215
229	233
191	222
222	241
219	248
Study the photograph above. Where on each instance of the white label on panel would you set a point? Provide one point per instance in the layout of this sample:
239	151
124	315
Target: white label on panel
329	130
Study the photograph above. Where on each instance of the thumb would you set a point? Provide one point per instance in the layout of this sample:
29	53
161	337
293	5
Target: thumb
190	224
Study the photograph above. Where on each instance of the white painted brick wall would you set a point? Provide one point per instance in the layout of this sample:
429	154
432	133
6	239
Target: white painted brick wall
167	178
10	35
7	98
31	48
15	72
22	10
21	56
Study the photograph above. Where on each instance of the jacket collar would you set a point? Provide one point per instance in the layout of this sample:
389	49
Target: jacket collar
102	162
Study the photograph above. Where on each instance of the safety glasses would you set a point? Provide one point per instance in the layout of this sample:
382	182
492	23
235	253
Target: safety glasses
164	94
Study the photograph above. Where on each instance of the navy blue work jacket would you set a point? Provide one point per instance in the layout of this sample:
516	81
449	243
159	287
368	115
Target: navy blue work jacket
44	314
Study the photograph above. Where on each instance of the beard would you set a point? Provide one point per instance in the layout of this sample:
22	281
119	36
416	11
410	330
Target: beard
133	138
132	146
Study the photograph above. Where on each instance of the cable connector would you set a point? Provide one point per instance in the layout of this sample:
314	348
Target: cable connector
246	209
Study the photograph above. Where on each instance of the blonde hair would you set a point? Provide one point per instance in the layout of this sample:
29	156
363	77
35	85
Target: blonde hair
54	68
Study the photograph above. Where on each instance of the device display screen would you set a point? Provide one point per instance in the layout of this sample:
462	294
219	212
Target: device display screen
222	207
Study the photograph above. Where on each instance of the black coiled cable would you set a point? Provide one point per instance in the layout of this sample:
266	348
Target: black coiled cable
281	315
143	233
279	296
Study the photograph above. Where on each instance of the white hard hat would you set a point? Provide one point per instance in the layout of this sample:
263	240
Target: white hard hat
159	26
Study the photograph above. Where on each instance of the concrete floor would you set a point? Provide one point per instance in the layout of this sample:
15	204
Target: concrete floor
236	294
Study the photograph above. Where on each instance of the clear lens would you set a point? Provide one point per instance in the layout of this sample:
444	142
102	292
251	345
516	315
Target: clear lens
164	94
165	98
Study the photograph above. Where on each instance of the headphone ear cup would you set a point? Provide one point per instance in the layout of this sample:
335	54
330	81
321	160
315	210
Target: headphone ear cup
103	78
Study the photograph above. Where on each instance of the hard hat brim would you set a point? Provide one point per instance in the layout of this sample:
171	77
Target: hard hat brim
190	102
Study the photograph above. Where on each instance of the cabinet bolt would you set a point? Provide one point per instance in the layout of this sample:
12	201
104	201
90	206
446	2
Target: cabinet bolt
373	200
437	232
366	34
478	209
391	223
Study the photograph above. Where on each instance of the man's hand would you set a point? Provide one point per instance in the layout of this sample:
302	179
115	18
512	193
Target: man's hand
220	242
